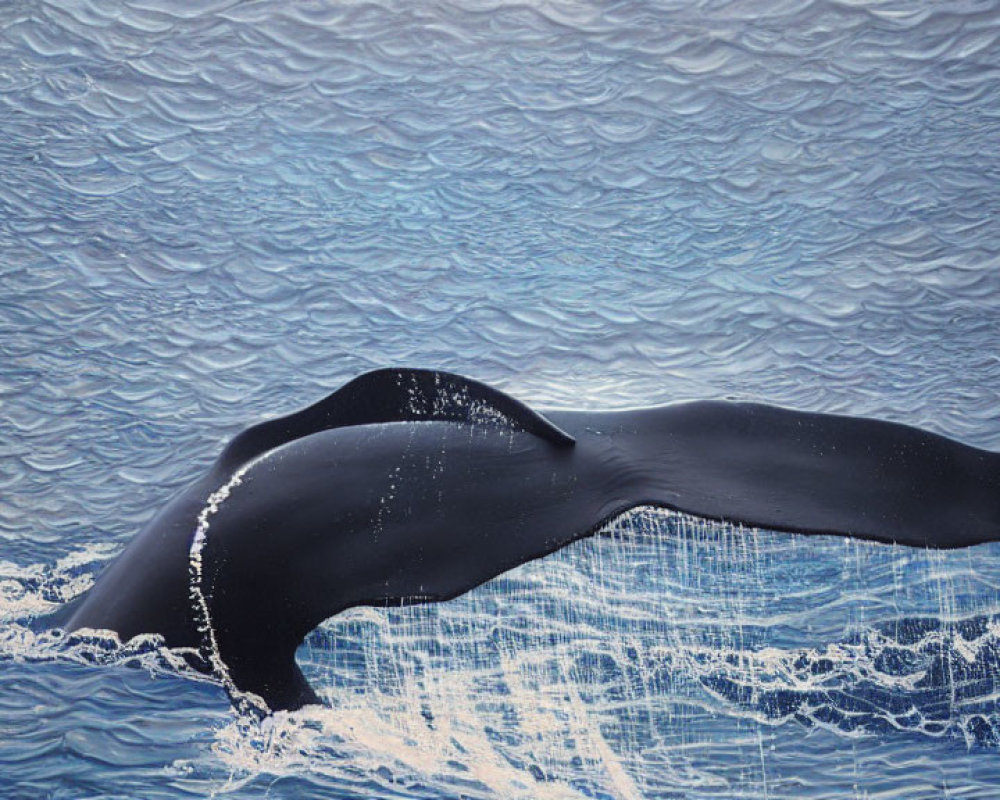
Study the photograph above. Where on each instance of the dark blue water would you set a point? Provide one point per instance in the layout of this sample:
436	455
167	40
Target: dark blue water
216	212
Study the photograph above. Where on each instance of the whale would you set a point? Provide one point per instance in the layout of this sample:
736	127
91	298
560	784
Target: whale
415	485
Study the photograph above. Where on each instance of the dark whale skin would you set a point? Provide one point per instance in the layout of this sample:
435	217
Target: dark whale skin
374	499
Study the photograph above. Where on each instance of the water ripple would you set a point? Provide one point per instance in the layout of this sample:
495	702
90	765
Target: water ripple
215	212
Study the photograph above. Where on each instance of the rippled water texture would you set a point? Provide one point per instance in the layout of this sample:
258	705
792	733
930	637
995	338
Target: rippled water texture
215	212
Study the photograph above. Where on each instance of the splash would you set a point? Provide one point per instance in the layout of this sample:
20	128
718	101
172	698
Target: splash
605	669
602	670
38	589
596	660
29	593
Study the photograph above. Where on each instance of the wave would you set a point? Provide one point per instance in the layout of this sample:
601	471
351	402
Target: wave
581	672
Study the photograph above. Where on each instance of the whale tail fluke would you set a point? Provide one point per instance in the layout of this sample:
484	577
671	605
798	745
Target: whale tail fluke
338	505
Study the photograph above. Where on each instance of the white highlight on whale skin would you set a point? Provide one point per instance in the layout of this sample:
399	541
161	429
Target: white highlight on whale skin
246	703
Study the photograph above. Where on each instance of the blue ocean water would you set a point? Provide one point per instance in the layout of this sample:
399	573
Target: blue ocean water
213	212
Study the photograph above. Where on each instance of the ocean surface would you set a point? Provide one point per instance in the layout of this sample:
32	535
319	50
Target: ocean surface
213	212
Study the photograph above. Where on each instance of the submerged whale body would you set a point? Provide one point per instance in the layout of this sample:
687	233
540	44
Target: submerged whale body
413	486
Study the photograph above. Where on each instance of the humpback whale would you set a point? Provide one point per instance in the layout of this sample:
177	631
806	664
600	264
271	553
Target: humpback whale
414	486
